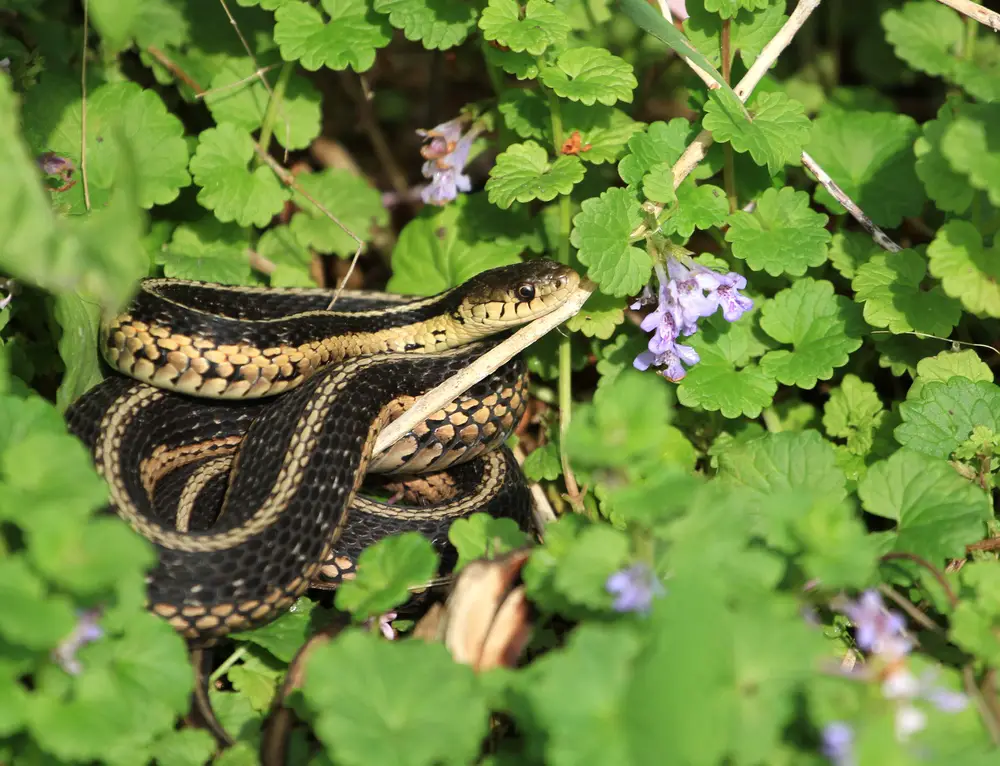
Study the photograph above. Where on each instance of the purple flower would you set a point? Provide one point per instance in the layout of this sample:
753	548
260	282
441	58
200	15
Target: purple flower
686	293
838	743
877	629
903	686
86	631
384	624
446	153
634	588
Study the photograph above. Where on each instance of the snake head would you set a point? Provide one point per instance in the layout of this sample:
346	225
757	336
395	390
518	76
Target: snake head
513	295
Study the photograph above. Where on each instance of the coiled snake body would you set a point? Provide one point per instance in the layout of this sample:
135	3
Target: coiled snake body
245	494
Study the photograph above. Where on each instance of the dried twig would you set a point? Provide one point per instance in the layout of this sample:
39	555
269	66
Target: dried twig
83	106
497	356
975	11
543	512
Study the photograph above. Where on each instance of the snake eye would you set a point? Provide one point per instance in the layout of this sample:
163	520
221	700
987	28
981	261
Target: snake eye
525	292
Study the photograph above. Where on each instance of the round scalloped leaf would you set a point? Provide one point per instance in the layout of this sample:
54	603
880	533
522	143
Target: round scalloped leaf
971	144
775	137
891	287
439	25
590	75
782	235
357	205
948	188
944	414
523	173
946	365
229	188
532	28
967	270
660	142
822	327
601	233
349	39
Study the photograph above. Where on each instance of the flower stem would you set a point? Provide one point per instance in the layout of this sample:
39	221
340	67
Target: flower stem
273	106
729	171
565	349
969	48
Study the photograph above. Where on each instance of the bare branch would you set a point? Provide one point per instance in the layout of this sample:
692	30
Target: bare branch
975	11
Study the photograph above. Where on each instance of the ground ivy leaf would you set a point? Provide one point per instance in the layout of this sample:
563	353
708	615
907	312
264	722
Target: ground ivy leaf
923	34
407	703
257	680
577	695
385	572
437	25
853	412
943	416
229	188
748	32
542	463
480	536
523	66
601	233
207	250
523	173
891	288
31	617
775	137
532	28
357	205
937	512
822	327
286	635
948	188
947	365
604	129
525	112
782	235
597	553
849	250
661	142
658	184
350	38
973	624
590	75
870	156
599	317
715	385
80	321
972	146
967	270
292	260
729	8
441	248
154	138
186	747
298	120
698	207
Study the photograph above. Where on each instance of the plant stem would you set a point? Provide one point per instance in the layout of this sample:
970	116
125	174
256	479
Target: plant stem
729	171
969	48
231	660
273	106
565	349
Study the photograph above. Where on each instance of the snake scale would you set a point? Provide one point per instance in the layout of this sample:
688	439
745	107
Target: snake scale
240	426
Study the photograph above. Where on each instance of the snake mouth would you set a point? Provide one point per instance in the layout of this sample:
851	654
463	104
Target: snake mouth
514	295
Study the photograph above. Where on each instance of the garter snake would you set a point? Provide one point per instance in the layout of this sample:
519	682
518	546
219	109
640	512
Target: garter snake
202	366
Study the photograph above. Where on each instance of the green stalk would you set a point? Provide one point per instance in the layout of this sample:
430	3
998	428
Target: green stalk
565	349
273	107
729	171
971	29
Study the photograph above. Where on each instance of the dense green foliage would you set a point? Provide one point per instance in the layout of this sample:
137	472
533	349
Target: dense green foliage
825	426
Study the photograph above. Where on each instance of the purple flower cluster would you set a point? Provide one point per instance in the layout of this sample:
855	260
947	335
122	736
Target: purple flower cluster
87	630
445	153
686	293
881	633
634	588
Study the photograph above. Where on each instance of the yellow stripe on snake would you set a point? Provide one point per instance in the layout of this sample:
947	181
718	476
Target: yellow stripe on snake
241	427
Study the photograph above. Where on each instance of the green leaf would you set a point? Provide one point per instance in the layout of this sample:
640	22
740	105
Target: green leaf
923	34
944	414
599	317
443	247
972	146
601	233
523	173
717	383
776	136
590	75
524	66
967	270
292	260
782	235
438	25
542	463
79	320
286	635
598	552
257	680
154	137
823	328
936	511
408	704
207	250
658	184
891	287
698	207
532	28
349	39
385	572
661	142
870	156
947	365
482	536
229	188
853	412
748	32
186	747
237	97
30	616
948	188
350	198
849	250
729	8
577	693
973	624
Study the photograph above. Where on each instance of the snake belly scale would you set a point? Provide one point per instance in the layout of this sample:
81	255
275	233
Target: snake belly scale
287	468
